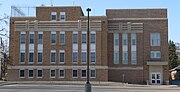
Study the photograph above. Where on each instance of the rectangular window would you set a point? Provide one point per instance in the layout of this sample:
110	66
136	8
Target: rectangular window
75	73
75	38
40	38
155	54
116	57
23	38
125	39
93	57
53	73
31	57
93	38
39	57
53	15
22	57
62	38
53	56
125	57
83	73
75	57
133	57
155	39
62	16
84	58
61	56
116	39
21	73
31	73
93	73
53	38
83	38
31	38
133	39
61	73
39	73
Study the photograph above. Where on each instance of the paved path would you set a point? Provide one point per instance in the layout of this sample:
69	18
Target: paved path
80	88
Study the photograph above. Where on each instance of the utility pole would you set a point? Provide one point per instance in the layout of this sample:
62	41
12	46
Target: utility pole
88	85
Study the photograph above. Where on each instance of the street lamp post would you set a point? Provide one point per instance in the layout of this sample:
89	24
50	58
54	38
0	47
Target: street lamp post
88	85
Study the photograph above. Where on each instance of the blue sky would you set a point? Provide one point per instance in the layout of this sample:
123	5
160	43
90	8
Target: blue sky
99	6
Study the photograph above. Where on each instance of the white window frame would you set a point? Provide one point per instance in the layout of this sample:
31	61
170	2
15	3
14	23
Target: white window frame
81	73
38	37
62	13
38	57
24	57
151	39
61	51
53	51
25	37
72	73
37	72
28	72
82	37
90	73
29	56
90	57
155	54
20	74
50	73
30	37
77	57
53	13
60	38
93	32
82	57
52	33
64	73
75	33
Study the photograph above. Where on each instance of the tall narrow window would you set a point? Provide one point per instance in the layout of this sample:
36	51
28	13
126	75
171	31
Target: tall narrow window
31	38
23	38
22	57
62	16
116	57
75	73
93	38
133	39
83	38
61	56
125	57
125	39
53	15
53	37
83	73
116	48
133	57
93	57
40	38
155	39
39	57
53	56
62	38
93	73
61	73
21	73
31	73
75	38
31	57
133	48
84	58
39	73
52	73
75	57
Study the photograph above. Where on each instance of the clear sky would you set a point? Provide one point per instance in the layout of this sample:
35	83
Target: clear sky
99	6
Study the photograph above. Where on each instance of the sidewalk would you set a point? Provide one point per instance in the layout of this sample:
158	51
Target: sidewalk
95	83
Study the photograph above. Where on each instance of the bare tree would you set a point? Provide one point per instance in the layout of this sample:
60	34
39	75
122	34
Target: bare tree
3	25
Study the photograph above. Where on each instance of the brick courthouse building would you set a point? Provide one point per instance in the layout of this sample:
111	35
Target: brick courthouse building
126	45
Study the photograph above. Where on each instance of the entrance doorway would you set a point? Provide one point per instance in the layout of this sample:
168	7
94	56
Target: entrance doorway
155	78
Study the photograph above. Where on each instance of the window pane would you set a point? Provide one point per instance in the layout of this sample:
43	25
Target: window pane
61	73
62	16
93	73
61	57
53	55
125	39
21	73
116	57
75	57
39	57
93	57
31	57
83	73
62	40
125	57
133	57
22	57
31	73
74	73
39	73
84	38
116	39
83	57
53	73
53	38
23	38
75	38
31	39
155	39
40	38
93	38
